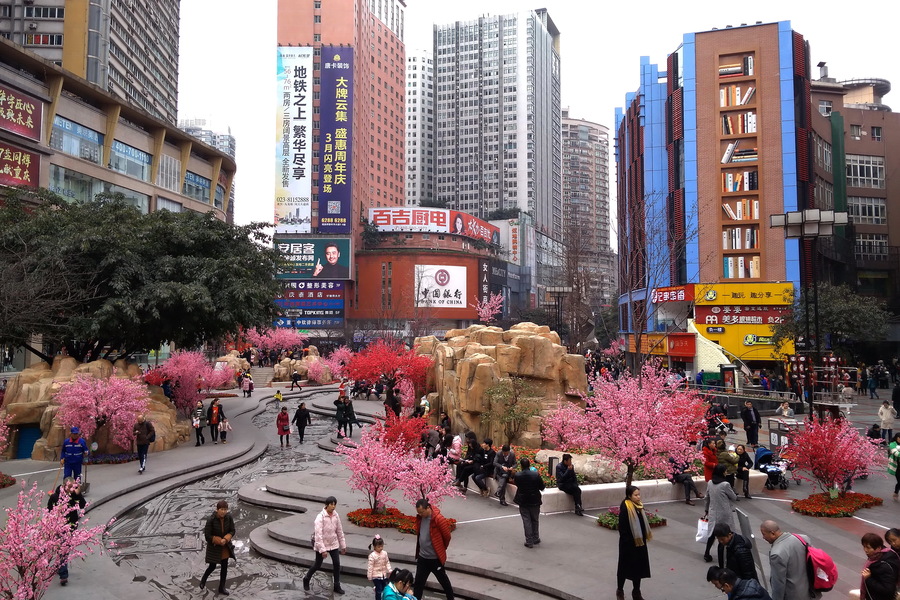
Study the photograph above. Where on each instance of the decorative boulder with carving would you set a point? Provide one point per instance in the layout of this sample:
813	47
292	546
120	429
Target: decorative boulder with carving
471	360
30	400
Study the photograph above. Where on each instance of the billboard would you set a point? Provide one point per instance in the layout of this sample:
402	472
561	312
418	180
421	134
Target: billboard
335	139
315	258
434	220
18	166
311	304
439	286
294	140
472	227
21	113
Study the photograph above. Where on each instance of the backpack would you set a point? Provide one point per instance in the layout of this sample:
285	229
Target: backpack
820	569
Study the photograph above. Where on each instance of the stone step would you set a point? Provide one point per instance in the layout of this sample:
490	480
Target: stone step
257	494
472	585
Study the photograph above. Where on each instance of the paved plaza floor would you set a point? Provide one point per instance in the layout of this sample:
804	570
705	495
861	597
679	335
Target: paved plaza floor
160	514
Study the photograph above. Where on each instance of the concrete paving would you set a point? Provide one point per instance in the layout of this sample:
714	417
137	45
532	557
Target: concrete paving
577	557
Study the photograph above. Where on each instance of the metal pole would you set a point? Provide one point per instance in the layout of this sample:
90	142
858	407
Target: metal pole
816	302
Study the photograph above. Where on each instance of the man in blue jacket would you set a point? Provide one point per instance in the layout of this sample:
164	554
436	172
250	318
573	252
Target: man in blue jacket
74	449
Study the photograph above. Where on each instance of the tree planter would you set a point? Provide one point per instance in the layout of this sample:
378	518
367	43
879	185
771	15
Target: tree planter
610	519
822	505
391	518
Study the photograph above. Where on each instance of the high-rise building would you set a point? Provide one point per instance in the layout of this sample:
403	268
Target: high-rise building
223	142
125	46
585	187
497	126
419	127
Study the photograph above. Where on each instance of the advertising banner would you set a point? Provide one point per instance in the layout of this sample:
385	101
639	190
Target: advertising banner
484	280
312	304
18	166
293	140
440	286
335	139
677	293
515	242
745	293
468	226
21	113
424	220
315	258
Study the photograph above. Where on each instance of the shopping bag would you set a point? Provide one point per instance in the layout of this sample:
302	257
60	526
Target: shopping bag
702	530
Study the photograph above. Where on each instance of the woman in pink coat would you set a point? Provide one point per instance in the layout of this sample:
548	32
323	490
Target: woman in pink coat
328	539
283	424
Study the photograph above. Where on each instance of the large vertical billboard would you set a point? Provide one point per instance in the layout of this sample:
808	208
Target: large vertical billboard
294	140
335	139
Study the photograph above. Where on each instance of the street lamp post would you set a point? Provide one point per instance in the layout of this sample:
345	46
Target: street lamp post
810	224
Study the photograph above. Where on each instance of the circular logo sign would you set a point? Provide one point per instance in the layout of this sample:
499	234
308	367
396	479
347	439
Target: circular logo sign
442	277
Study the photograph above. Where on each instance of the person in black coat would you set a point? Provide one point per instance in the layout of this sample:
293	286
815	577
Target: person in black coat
745	464
735	552
568	482
634	533
76	504
752	421
879	576
741	589
302	418
219	531
469	462
529	486
485	466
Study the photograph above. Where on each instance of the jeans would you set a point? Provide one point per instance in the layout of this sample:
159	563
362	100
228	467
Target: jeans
887	434
63	570
142	455
380	584
214	432
336	567
479	481
530	516
424	568
223	575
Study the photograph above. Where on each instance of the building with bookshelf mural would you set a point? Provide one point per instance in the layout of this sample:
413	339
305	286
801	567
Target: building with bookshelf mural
707	149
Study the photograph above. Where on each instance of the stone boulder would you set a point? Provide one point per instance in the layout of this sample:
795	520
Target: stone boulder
468	361
593	467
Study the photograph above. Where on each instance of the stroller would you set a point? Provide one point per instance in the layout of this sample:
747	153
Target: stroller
775	467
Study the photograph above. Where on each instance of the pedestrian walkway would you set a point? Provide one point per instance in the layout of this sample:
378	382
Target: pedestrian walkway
576	557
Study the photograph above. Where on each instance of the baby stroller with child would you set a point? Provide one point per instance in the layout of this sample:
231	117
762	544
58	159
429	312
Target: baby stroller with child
775	467
717	422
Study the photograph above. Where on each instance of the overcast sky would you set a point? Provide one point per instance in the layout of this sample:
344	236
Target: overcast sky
227	62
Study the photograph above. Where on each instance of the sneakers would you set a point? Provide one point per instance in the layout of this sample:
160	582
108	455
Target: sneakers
141	471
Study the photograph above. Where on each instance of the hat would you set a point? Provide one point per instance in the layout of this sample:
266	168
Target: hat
74	431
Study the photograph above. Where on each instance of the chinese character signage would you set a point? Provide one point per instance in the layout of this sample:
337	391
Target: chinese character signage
311	304
745	293
315	258
20	113
335	139
18	166
678	293
434	220
439	286
741	315
515	242
468	226
294	140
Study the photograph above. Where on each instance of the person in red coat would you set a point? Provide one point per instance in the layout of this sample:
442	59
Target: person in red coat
432	539
283	423
710	458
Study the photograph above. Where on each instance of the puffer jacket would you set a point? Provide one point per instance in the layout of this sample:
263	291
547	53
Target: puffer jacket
329	534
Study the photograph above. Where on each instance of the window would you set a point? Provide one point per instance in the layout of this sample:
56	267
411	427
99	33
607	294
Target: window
76	140
196	187
825	107
871	246
130	161
856	131
867	211
865	171
317	4
876	134
169	173
169	205
43	39
79	187
317	18
42	12
5	10
317	37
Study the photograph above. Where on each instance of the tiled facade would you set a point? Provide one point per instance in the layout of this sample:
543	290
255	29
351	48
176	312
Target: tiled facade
419	127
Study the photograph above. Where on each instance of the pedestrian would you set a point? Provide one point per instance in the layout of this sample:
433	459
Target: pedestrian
399	585
710	458
738	588
224	428
729	459
379	566
432	539
787	562
219	531
279	397
894	462
880	573
144	435
198	420
752	420
214	414
328	540
295	379
342	389
785	410
735	552
444	422
340	415
634	533
74	449
247	385
568	482
873	386
887	414
744	465
892	537
529	486
72	489
301	419
283	425
350	416
719	505
681	473
504	465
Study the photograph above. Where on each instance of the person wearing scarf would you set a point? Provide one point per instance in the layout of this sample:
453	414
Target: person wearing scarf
880	573
634	533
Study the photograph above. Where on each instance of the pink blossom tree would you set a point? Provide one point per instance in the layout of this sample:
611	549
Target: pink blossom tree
277	339
90	403
489	309
338	361
632	421
407	392
429	479
189	373
4	433
318	372
833	453
374	467
35	541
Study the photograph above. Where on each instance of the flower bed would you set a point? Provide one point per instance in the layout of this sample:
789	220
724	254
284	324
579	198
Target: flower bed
610	519
220	395
391	518
110	459
822	505
6	480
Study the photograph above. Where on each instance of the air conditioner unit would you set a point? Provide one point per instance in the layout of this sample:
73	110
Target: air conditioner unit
32	26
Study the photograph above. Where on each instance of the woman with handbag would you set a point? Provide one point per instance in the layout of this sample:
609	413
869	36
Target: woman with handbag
720	499
219	531
199	422
283	424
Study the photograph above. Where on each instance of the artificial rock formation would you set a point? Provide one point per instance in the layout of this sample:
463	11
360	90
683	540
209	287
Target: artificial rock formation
287	366
471	360
30	400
